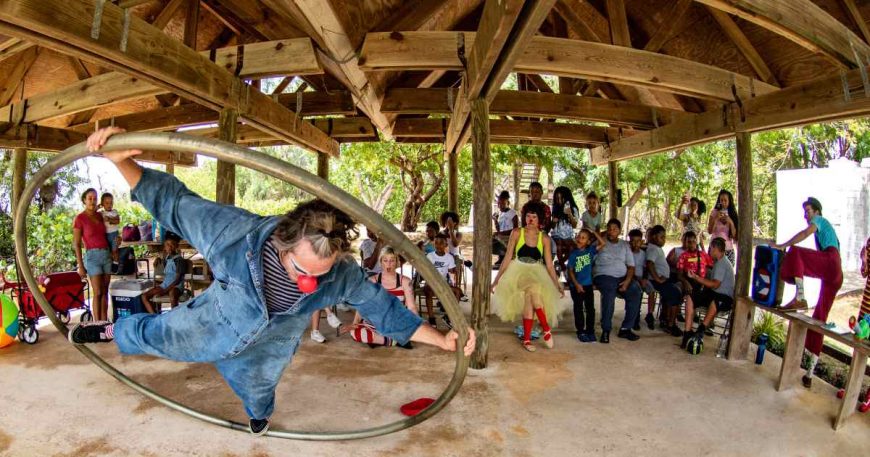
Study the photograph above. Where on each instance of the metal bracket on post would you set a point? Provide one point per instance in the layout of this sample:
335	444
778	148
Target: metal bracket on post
460	50
739	103
98	19
862	68
125	30
655	116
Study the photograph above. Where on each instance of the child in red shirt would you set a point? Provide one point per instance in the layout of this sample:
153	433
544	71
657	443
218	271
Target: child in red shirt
695	260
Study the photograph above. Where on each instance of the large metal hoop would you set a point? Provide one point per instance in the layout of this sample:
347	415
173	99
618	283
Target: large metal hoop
286	172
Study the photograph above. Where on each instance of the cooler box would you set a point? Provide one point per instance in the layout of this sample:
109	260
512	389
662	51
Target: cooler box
766	283
125	296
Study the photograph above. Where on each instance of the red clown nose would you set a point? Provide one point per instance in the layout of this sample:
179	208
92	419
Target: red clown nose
307	284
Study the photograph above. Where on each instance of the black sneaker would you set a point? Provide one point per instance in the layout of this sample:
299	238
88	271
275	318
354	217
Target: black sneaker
650	321
89	332
627	334
407	345
675	331
686	337
605	338
259	427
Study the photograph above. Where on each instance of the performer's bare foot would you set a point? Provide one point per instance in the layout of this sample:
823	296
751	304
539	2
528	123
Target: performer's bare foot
795	305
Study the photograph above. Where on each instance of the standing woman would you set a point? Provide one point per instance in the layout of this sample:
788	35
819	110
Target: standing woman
723	223
691	217
564	216
96	264
527	286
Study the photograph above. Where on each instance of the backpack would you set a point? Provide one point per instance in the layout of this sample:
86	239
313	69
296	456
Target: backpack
130	233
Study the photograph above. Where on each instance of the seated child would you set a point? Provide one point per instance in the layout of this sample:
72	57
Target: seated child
658	271
716	293
580	279
428	245
696	261
112	222
635	241
445	263
173	277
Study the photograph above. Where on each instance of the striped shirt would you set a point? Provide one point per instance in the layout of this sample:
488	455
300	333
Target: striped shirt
281	293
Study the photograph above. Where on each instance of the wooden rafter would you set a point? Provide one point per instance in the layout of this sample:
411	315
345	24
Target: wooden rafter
82	73
342	129
733	32
570	58
539	83
621	36
535	104
328	31
115	87
803	22
12	81
167	13
191	23
669	26
175	67
857	18
820	100
507	131
12	47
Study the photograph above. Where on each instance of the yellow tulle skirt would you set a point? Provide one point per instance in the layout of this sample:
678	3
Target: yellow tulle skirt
526	281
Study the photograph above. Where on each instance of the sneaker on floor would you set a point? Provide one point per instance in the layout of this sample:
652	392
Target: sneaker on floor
333	320
589	338
686	337
605	338
317	337
675	331
91	332
259	427
650	321
627	334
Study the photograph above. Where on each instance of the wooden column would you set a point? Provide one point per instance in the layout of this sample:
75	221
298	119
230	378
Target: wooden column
516	183
323	165
613	179
744	313
482	281
19	171
453	182
226	172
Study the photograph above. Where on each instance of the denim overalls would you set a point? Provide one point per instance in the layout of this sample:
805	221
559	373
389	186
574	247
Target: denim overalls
228	324
170	271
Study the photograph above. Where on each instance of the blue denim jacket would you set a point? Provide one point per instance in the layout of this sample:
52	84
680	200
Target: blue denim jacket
228	324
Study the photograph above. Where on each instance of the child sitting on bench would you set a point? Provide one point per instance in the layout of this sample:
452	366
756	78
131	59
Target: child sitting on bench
173	277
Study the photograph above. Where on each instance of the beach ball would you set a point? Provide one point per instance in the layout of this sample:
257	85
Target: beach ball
8	321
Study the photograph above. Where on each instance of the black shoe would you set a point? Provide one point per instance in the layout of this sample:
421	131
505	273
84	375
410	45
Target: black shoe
259	427
709	330
675	331
807	381
605	338
650	321
686	337
89	332
447	322
432	322
627	334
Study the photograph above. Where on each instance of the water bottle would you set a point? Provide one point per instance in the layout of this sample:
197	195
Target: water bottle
723	346
762	346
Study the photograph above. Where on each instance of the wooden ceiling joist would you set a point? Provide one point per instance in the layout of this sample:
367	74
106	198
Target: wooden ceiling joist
569	58
857	18
48	139
160	119
152	55
295	55
535	104
669	26
821	100
327	29
12	80
342	129
803	22
436	129
743	45
12	47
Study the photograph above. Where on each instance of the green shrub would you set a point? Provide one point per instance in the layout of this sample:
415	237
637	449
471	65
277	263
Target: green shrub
774	327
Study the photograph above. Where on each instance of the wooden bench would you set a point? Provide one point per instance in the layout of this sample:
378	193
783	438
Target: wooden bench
790	372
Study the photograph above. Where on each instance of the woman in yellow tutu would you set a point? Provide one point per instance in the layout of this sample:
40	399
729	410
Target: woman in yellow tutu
526	282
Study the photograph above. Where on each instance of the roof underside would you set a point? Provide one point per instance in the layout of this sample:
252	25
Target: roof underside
594	73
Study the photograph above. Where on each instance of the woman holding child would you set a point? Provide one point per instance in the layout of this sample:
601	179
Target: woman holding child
96	263
526	283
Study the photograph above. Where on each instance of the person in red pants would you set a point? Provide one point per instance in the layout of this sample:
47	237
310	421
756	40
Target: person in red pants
822	263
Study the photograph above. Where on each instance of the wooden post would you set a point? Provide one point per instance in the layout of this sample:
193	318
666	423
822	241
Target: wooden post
744	313
613	175
517	171
19	164
226	172
170	168
323	165
453	181
482	172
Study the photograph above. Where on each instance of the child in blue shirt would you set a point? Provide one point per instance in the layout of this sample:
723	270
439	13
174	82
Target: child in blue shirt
580	278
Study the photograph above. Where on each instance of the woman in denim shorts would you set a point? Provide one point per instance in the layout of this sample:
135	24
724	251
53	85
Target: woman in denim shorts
96	263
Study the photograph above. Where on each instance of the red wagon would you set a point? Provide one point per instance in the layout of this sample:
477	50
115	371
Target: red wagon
65	292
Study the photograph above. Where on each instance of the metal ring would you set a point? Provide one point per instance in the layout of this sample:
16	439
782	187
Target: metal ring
288	173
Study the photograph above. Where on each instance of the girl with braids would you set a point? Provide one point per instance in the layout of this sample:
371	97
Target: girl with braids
565	215
270	274
723	223
524	285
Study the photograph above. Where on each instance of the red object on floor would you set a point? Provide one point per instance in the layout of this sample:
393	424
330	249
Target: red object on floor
416	406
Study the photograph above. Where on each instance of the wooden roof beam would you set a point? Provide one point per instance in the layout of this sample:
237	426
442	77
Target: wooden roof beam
669	26
569	58
155	57
733	32
12	80
12	47
342	129
803	22
328	30
436	130
296	55
821	100
536	104
857	18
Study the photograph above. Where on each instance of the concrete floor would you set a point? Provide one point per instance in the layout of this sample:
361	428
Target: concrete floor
646	398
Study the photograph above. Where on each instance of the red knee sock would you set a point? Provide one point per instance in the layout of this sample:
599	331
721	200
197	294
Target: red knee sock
542	318
527	330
